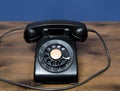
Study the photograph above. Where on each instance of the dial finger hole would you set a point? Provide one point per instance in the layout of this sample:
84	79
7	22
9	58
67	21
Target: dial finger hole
46	55
58	46
48	49
63	61
48	60
57	63
53	63
53	46
63	49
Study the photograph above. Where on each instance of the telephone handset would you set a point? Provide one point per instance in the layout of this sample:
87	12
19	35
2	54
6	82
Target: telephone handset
55	57
74	30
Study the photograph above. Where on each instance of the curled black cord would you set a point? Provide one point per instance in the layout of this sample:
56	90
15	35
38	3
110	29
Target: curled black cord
71	86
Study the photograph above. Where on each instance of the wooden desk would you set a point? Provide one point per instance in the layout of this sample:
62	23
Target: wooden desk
17	58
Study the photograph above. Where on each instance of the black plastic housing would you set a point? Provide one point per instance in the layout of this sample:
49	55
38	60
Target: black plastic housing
58	32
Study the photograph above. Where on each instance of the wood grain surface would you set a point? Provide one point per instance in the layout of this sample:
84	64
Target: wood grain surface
17	58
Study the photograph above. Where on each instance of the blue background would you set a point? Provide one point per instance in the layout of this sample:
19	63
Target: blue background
80	10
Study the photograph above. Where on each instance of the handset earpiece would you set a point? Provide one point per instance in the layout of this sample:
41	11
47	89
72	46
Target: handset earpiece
80	34
32	34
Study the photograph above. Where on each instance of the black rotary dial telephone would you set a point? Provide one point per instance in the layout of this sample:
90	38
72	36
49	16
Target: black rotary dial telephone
55	55
55	59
